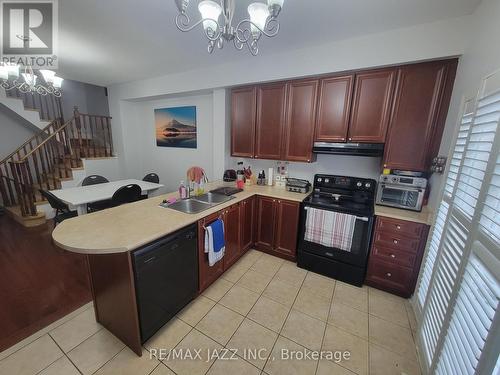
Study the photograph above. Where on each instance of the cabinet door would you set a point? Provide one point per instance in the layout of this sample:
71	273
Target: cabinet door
207	275
232	235
266	211
243	105
300	120
418	98
270	121
287	225
333	108
246	224
373	96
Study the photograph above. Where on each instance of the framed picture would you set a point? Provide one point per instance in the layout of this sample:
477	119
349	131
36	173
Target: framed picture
176	127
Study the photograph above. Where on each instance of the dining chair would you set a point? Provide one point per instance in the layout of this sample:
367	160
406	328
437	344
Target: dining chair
62	210
100	205
94	180
126	194
152	177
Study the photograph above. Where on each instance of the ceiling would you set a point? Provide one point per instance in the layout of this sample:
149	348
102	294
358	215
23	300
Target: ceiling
112	41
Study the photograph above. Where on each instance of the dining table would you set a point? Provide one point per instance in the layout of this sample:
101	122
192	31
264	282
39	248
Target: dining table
78	197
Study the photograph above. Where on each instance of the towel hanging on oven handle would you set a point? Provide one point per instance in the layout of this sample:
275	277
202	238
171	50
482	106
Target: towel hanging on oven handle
357	217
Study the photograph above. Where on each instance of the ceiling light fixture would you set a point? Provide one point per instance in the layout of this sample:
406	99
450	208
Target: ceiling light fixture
263	21
9	80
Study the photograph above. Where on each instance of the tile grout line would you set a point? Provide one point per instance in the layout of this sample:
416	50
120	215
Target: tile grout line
284	322
46	333
64	355
326	325
244	316
215	303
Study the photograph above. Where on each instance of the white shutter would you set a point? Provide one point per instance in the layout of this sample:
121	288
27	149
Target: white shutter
453	245
432	251
473	314
458	151
459	289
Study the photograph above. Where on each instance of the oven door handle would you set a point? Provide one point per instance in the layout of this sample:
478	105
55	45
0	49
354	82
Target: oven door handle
362	218
402	188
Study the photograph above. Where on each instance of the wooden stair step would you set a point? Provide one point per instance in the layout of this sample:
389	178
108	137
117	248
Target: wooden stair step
28	221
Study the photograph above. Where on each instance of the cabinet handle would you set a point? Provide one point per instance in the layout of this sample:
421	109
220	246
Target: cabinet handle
398	226
274	200
308	160
393	256
388	274
279	201
395	242
350	139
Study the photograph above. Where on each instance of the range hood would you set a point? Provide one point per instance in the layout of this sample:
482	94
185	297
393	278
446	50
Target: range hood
359	149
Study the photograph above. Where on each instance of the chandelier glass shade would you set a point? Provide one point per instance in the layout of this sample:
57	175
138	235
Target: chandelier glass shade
11	79
263	20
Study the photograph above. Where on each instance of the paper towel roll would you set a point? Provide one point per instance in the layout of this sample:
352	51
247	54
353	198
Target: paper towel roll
270	177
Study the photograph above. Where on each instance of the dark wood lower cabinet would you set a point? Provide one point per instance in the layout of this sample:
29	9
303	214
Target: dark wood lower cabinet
266	212
287	224
231	218
247	215
277	227
396	255
207	275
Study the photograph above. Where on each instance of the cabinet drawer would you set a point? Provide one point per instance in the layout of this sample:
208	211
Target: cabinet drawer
397	242
396	257
406	228
390	276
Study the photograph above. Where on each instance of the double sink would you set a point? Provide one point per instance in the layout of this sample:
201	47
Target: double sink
200	203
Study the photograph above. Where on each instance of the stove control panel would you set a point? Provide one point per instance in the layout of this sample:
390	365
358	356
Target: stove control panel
344	182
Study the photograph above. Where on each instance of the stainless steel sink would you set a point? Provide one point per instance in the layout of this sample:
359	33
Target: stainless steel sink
213	198
189	206
198	204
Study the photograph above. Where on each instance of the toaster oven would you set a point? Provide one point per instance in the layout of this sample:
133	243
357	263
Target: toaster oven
404	192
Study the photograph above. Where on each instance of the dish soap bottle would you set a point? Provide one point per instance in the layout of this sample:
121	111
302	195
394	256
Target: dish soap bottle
182	190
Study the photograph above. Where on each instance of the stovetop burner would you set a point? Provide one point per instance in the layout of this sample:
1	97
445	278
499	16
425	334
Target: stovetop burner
345	194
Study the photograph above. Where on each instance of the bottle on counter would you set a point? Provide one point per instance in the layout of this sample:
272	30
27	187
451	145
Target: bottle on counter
183	190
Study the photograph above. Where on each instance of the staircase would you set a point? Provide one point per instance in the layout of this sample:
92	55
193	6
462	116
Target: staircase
37	109
49	158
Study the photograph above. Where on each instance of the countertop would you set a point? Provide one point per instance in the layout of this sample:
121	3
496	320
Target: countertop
130	226
426	216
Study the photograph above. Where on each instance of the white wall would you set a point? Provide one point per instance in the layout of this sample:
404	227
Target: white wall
14	131
144	156
430	41
481	57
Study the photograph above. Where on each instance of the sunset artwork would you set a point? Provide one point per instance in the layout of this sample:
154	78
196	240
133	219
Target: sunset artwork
176	127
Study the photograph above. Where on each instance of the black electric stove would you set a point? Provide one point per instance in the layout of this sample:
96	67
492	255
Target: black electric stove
349	195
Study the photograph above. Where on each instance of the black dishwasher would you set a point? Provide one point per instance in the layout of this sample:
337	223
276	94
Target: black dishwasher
166	278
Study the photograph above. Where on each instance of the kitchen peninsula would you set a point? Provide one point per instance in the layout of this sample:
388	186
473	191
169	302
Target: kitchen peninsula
110	238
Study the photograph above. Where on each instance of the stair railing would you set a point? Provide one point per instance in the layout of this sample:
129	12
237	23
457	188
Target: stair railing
52	159
49	106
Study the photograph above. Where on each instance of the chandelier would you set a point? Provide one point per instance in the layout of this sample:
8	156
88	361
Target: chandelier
10	80
247	32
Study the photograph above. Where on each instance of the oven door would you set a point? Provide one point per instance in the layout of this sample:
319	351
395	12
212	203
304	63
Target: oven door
398	196
360	243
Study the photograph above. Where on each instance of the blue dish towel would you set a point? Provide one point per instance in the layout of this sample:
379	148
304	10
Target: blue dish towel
214	241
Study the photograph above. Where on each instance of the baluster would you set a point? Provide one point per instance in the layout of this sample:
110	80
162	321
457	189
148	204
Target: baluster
17	187
110	137
37	169
3	188
29	193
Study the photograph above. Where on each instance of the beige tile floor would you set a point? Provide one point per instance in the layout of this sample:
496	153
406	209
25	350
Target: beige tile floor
262	302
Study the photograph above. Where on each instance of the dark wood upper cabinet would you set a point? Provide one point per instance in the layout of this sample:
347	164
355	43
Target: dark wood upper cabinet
333	108
287	224
265	223
300	120
243	107
422	97
247	224
371	106
231	219
271	101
